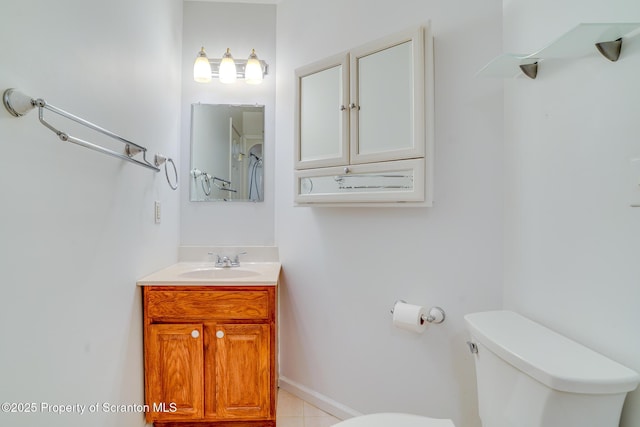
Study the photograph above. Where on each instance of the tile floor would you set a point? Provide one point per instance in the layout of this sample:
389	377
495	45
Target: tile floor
295	412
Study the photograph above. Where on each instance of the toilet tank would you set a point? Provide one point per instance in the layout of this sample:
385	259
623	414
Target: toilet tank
530	376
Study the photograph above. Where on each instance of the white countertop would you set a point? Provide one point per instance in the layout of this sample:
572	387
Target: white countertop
206	274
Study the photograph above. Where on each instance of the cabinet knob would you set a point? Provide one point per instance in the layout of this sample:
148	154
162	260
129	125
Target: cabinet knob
220	334
342	108
353	106
195	333
347	170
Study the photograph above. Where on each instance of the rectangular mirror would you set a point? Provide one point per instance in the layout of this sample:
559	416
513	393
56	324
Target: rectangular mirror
227	146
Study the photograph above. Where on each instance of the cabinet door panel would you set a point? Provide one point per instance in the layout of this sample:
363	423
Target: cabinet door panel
243	371
385	114
322	127
387	85
174	358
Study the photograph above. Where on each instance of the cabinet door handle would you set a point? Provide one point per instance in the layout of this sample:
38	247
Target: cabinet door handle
220	334
195	333
342	108
353	106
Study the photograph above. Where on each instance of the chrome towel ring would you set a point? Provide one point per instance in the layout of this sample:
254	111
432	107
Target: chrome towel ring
160	159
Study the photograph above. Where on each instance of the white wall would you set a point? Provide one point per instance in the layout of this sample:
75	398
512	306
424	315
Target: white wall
345	267
571	252
240	27
77	226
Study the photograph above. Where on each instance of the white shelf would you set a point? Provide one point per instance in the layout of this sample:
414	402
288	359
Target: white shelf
579	41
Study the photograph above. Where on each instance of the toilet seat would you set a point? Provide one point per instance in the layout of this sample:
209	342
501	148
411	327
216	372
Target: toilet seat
390	419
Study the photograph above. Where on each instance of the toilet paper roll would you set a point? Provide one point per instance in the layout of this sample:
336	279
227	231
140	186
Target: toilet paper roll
409	317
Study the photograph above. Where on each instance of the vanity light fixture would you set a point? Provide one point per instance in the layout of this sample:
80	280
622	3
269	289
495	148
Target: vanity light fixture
227	70
253	70
202	68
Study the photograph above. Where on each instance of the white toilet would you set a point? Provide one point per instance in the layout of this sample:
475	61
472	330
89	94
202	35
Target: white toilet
530	376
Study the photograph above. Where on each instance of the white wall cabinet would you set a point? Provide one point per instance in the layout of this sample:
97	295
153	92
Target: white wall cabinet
370	106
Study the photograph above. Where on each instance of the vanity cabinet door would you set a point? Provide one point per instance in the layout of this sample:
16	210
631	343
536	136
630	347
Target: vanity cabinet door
243	359
174	361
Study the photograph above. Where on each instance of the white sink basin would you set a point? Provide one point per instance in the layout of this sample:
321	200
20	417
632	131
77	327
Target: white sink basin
218	273
205	274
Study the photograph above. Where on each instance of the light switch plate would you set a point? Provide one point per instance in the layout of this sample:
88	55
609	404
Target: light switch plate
635	182
156	211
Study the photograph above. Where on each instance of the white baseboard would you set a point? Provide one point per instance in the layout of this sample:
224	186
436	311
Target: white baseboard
318	400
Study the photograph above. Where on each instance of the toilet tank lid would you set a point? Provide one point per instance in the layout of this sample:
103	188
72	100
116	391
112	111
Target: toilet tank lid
551	358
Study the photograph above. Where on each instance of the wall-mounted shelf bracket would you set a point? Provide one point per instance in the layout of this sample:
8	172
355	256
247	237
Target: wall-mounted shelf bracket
610	50
530	70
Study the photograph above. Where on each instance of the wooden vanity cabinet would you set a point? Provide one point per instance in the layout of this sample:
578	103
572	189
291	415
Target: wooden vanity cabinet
210	355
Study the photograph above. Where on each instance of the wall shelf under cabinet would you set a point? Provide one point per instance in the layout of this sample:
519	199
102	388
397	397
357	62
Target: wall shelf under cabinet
582	40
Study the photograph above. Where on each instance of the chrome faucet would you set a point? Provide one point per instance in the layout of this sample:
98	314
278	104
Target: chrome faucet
223	261
226	262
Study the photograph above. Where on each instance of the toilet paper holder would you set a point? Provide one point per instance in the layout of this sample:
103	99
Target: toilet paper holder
436	314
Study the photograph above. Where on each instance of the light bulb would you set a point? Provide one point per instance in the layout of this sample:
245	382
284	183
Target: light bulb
253	69
202	68
228	71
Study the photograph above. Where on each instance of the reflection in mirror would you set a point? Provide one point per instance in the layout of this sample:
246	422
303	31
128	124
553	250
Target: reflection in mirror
227	146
